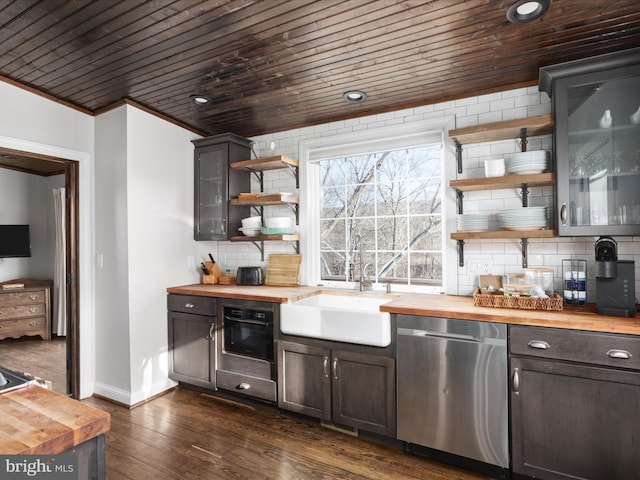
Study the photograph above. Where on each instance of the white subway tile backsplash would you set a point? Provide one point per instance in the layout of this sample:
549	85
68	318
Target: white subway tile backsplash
490	117
501	256
502	104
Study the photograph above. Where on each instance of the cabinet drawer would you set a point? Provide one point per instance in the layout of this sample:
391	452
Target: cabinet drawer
193	304
246	385
605	349
22	298
23	326
21	311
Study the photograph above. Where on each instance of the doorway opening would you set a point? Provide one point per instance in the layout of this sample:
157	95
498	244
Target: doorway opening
45	165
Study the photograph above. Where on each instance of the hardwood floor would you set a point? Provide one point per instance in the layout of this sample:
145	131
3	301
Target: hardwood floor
38	357
190	435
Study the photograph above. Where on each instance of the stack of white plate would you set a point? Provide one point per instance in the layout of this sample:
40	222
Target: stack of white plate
473	222
523	218
525	163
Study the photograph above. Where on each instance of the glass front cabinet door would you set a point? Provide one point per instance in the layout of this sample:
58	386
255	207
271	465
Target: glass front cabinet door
215	183
597	143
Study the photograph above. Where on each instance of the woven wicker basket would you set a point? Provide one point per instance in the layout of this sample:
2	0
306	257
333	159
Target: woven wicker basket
498	300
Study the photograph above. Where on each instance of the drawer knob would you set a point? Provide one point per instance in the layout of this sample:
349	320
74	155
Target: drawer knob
243	386
621	354
188	305
539	344
33	297
34	309
34	323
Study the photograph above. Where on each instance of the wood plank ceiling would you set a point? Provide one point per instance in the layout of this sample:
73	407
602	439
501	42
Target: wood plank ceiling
275	65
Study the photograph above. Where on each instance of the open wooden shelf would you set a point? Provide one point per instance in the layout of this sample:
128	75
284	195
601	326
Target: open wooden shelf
273	199
508	181
491	132
264	238
266	163
503	234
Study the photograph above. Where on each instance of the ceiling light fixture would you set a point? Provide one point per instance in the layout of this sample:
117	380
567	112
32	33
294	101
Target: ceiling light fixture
354	96
524	11
200	100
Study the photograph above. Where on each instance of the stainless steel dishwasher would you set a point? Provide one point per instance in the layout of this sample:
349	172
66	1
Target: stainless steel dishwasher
452	391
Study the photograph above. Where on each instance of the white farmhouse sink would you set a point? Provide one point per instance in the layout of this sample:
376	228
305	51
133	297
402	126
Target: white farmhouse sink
343	318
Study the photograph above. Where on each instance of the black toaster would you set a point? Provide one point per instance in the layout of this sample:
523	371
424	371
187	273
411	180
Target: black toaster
249	276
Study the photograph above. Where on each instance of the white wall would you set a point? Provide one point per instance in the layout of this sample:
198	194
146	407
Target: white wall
144	236
29	122
27	199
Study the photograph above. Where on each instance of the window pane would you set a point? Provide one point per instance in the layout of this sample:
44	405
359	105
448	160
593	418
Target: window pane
426	266
333	264
386	208
392	233
426	233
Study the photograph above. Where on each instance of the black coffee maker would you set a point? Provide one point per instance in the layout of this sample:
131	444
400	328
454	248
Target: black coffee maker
615	281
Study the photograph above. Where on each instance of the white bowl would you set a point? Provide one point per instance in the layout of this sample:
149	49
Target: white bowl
250	232
252	222
278	222
494	168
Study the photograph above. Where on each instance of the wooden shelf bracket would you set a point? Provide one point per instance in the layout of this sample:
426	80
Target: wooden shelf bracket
461	253
459	201
525	194
458	154
523	139
524	242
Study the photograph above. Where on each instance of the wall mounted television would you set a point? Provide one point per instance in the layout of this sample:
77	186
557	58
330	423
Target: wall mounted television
15	241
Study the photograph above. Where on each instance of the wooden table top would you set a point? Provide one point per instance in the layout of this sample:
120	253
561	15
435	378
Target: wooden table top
450	306
38	421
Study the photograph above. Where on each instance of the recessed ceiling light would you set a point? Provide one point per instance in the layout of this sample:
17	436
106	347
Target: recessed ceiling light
526	10
354	96
200	100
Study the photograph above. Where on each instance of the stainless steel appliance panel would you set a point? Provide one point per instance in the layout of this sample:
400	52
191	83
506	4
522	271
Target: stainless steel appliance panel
452	387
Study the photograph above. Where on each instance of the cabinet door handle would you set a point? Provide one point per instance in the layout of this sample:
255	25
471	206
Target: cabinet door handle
621	354
189	305
539	344
563	213
335	368
516	381
224	226
325	365
209	336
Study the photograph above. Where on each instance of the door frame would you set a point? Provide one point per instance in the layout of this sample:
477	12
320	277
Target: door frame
72	183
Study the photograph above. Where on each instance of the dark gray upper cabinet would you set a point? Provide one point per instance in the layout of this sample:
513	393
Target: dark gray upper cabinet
215	183
596	103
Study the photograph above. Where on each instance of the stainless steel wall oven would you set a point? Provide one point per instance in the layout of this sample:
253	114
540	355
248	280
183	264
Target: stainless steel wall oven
249	332
245	348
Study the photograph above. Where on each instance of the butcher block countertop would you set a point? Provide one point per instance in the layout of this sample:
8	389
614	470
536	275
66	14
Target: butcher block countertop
38	421
261	293
450	306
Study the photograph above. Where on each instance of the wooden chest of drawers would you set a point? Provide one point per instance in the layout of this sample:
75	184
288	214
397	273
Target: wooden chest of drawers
26	311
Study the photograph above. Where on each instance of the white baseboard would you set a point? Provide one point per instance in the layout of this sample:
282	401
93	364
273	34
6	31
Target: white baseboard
132	398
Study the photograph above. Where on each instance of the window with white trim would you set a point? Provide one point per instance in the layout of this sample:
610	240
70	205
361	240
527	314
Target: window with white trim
379	212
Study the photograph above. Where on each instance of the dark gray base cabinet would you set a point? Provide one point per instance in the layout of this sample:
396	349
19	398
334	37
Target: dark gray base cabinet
574	420
348	388
192	350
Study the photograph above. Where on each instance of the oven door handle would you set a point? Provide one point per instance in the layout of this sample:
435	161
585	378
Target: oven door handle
246	320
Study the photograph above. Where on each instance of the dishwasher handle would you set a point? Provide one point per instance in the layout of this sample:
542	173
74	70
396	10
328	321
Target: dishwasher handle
412	332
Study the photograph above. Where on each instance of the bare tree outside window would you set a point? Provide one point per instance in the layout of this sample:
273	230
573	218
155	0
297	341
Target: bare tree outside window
386	207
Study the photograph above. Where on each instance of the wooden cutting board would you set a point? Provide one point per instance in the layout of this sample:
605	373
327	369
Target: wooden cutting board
283	269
